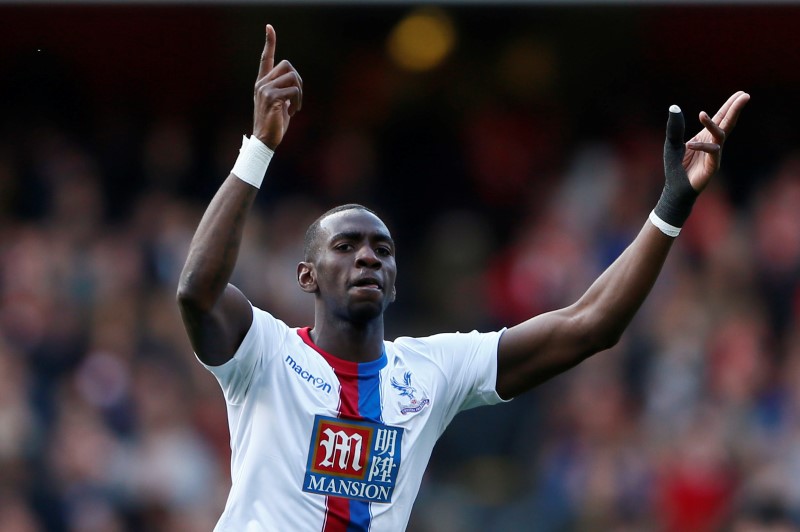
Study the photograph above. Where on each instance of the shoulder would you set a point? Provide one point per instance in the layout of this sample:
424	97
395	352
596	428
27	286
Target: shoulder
268	332
446	338
263	318
446	342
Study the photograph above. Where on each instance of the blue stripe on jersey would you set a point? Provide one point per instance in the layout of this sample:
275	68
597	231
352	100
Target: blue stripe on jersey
369	407
360	517
369	397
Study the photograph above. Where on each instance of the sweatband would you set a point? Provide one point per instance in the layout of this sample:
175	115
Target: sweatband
253	160
667	229
678	196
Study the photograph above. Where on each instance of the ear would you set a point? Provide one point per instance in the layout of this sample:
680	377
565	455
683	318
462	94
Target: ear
307	277
393	295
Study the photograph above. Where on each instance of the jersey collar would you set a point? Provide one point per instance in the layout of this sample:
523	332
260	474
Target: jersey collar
345	367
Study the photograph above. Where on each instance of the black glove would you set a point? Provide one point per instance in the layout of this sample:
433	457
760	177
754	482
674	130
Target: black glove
678	196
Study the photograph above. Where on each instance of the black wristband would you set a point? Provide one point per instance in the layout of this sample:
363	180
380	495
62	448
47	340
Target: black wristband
678	196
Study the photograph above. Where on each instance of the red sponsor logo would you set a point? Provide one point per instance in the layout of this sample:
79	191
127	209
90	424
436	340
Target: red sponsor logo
341	448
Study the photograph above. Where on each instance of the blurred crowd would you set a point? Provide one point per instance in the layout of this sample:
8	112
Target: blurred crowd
503	207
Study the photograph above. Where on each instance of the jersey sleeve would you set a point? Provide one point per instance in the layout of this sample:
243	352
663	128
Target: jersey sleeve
264	338
469	363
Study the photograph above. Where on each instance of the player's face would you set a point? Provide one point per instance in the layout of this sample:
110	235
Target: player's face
355	266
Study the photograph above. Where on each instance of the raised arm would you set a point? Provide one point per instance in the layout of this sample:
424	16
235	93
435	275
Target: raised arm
215	313
548	344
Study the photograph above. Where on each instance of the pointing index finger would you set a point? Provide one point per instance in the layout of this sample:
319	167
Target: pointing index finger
268	55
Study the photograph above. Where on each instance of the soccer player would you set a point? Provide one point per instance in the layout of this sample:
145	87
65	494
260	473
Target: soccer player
332	426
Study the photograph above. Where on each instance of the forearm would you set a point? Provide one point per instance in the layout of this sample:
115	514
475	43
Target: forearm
215	246
610	304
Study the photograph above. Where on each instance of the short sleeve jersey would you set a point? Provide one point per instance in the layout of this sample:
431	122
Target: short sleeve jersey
323	444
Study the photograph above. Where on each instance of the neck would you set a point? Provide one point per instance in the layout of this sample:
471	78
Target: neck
355	342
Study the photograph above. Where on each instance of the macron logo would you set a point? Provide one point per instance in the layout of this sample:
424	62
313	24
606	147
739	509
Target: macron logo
317	382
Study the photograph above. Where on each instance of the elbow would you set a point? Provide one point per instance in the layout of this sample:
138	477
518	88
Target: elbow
189	296
599	332
606	340
595	342
184	297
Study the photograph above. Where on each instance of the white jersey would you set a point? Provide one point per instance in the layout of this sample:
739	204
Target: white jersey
323	444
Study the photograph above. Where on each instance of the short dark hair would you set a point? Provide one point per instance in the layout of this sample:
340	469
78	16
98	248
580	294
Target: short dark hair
310	240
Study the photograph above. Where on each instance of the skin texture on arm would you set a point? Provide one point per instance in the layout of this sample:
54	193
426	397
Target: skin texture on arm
215	313
546	345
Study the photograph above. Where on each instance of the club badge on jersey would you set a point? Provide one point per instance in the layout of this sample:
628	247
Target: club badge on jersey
405	389
354	459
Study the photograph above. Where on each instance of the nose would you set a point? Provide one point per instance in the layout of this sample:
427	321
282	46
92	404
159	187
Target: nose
366	258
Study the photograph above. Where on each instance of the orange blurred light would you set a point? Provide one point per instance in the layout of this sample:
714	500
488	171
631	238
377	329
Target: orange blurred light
422	40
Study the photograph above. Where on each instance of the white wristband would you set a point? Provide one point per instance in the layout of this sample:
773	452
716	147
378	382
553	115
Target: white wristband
667	229
253	160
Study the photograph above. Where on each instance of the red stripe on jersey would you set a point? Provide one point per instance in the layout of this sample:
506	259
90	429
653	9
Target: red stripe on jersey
337	509
337	514
348	397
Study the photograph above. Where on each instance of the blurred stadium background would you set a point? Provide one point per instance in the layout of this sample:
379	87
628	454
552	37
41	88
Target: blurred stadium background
514	149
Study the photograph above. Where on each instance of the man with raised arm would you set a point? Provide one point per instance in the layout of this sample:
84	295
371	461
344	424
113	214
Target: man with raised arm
332	426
